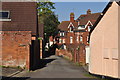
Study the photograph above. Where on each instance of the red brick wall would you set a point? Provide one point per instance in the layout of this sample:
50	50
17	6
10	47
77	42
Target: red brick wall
82	55
74	35
15	48
70	34
64	53
79	55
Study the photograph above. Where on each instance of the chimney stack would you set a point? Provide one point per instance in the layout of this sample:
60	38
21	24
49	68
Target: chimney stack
71	17
88	11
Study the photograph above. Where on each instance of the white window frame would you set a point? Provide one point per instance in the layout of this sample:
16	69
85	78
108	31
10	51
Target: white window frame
8	16
60	34
71	29
81	38
89	28
63	34
60	40
88	23
71	40
77	39
63	40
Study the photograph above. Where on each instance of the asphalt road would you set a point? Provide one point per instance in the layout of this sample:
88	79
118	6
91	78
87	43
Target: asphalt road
57	68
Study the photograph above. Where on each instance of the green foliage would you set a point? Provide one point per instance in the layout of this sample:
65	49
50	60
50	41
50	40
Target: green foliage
45	8
39	38
48	18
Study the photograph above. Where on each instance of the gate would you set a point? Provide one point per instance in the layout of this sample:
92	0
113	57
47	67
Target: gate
34	54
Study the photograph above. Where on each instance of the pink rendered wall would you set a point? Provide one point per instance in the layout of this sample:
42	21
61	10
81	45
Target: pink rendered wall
104	44
119	41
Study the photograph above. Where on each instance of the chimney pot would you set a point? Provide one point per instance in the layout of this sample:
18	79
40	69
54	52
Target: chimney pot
88	11
72	17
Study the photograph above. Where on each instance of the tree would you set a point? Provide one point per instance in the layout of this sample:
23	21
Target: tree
48	18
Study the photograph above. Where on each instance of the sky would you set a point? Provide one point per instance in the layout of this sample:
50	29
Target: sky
78	0
63	9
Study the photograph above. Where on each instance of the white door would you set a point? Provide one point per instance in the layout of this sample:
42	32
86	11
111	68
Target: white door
87	54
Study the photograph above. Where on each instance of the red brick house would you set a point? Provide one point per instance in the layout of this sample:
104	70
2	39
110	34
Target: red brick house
74	33
20	30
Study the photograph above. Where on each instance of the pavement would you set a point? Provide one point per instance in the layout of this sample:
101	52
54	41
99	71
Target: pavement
9	71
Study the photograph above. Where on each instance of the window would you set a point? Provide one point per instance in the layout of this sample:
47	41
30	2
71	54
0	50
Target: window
106	54
62	34
71	29
71	39
5	16
82	26
81	38
65	47
77	39
89	28
114	52
60	41
63	40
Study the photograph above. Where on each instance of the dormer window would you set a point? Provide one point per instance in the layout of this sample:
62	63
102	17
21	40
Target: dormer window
71	29
81	27
89	28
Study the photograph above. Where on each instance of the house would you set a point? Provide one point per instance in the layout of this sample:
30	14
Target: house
74	34
20	32
104	45
77	31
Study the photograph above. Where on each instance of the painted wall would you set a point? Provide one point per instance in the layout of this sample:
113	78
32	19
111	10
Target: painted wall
119	42
104	45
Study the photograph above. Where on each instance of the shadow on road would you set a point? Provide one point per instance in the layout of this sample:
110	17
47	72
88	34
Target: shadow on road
43	62
14	78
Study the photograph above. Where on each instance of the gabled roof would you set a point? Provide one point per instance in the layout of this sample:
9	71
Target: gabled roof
83	19
103	13
64	25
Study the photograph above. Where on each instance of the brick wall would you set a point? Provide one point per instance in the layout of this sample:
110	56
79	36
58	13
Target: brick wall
15	48
64	53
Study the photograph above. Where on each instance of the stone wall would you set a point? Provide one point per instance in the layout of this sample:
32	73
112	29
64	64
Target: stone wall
15	48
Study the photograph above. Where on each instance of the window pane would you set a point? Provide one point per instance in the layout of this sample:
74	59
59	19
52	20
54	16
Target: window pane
81	38
71	39
4	15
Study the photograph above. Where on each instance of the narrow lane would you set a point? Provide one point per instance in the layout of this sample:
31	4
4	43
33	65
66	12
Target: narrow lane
58	68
